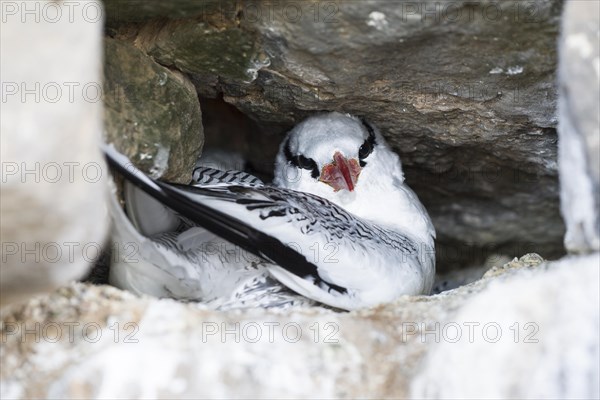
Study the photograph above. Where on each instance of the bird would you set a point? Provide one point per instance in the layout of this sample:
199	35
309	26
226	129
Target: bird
339	226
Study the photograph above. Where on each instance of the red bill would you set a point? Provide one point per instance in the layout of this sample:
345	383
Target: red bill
341	173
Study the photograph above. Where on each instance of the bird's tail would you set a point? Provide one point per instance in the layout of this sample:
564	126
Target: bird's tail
191	203
217	222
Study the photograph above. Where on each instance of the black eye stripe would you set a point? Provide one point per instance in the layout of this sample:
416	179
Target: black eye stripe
369	144
301	162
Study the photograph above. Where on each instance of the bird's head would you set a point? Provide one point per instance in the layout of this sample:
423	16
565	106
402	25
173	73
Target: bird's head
334	154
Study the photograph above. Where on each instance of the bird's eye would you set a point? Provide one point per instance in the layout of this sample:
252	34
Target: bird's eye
301	162
365	149
304	162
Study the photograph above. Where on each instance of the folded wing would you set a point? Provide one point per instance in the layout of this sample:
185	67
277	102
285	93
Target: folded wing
321	251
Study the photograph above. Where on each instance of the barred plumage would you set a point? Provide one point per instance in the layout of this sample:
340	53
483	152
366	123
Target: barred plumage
352	237
207	176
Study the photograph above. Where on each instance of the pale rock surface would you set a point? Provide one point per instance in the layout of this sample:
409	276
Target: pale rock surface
53	175
171	349
541	340
579	126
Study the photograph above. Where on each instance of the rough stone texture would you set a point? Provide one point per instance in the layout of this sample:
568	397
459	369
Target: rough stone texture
152	113
132	11
459	277
171	349
579	127
227	50
53	197
464	91
547	345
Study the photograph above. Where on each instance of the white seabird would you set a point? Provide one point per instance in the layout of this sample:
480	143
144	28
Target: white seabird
340	226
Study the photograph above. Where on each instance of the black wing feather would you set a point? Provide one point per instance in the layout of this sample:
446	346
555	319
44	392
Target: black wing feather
219	223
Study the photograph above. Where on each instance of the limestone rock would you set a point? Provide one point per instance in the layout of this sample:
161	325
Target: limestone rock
579	128
53	197
464	91
114	344
152	113
538	339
